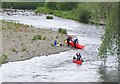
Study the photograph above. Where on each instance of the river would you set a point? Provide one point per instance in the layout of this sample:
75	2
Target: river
59	67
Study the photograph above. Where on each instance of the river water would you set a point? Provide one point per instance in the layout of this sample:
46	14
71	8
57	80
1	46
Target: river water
59	67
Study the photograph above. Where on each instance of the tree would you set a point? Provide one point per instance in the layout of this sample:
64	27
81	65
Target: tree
51	5
109	12
63	6
82	13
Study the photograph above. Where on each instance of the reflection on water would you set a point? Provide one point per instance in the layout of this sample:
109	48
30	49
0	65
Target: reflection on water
107	75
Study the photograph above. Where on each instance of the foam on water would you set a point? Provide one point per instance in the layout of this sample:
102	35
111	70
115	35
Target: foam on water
58	67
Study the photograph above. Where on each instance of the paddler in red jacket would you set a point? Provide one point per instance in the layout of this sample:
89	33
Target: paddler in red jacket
68	39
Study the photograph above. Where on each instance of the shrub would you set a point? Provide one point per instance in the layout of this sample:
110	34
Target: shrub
59	30
82	13
23	49
44	38
14	50
3	59
37	37
43	10
51	5
49	17
65	6
63	31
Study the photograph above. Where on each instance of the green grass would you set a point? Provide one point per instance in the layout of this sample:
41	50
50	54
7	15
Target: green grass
37	37
13	49
63	31
23	49
64	14
13	26
80	14
43	10
3	59
44	38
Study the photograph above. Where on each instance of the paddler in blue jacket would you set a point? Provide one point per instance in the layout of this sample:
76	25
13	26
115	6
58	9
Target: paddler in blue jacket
75	40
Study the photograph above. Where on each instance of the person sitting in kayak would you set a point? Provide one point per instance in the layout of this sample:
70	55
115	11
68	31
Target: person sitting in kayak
68	39
75	40
78	56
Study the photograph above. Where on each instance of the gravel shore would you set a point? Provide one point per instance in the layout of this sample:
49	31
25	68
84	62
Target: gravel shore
17	41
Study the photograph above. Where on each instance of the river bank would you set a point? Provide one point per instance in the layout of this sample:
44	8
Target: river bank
18	41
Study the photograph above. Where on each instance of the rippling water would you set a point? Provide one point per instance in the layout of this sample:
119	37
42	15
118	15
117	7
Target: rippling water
59	67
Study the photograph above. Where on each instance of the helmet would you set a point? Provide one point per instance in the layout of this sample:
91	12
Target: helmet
78	53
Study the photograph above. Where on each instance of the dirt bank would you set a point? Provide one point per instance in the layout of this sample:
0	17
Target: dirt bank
18	43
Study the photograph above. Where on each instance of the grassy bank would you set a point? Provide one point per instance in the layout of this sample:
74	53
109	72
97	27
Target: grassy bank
64	14
79	13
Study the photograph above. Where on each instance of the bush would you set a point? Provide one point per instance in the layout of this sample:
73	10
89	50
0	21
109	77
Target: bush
82	13
65	6
43	10
49	17
37	37
51	5
23	49
63	31
3	59
44	38
77	11
14	50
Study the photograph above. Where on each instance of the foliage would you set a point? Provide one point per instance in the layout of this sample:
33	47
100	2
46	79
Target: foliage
82	13
44	38
13	49
69	10
43	10
64	6
3	59
64	14
22	5
23	49
37	37
63	31
109	13
51	5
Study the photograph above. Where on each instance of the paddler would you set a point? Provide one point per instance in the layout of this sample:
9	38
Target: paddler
75	40
68	39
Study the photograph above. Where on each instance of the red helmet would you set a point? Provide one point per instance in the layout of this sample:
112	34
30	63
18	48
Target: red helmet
78	53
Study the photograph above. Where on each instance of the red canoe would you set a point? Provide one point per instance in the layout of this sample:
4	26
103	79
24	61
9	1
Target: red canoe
78	46
77	61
